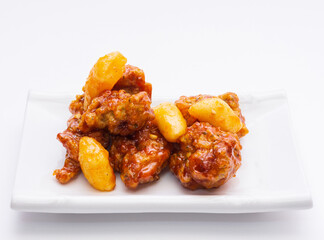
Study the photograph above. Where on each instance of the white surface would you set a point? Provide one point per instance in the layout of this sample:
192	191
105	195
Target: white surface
235	45
260	186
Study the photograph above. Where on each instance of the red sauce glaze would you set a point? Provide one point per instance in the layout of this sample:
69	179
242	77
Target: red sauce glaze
119	112
133	81
208	157
140	157
70	139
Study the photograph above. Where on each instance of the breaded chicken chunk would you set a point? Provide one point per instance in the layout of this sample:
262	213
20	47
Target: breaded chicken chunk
70	139
118	111
133	81
140	157
208	157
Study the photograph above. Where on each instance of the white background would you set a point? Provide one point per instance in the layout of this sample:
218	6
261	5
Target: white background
184	47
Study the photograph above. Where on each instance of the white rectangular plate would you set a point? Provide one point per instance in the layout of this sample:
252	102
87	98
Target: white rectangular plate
270	178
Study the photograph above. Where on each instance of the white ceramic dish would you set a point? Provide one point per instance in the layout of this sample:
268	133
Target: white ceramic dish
270	179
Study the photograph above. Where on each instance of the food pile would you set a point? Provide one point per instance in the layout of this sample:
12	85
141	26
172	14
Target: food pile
113	128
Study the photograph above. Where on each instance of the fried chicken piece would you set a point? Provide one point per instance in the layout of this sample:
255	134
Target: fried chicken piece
77	105
119	112
70	169
184	103
71	136
208	157
148	89
70	139
140	157
133	81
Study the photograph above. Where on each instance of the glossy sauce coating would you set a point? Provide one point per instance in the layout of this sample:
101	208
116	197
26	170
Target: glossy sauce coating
140	157
116	111
70	139
133	81
207	158
119	112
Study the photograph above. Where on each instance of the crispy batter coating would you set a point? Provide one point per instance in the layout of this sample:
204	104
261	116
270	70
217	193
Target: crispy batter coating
115	111
70	169
119	112
133	81
208	157
77	105
184	103
70	139
140	157
148	89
